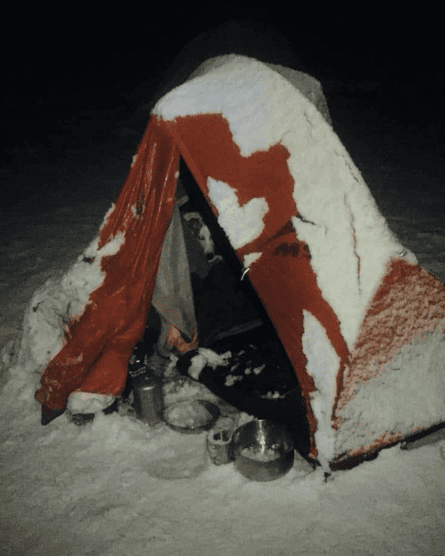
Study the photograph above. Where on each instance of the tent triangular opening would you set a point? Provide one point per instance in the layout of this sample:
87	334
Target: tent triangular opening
212	256
348	301
231	318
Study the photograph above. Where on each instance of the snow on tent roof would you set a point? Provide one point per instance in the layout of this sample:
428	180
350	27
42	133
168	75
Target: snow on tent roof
335	207
301	219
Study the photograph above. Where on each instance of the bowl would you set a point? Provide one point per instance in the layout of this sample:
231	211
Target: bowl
263	450
191	416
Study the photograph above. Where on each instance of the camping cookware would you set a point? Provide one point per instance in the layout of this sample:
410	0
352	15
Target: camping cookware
148	400
263	450
219	438
191	416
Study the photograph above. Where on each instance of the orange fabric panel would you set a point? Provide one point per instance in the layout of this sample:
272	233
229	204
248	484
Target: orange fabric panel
100	341
175	341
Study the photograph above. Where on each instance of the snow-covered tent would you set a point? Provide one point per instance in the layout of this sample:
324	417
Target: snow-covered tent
362	324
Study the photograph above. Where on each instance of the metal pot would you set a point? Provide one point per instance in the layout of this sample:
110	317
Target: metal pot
263	450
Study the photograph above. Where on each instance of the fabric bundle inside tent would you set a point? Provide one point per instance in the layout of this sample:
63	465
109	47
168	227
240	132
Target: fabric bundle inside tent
305	229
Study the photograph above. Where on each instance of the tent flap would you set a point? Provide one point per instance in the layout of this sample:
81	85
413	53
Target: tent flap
99	341
173	296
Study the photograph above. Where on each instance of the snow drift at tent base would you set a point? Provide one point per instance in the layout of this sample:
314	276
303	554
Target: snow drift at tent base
362	324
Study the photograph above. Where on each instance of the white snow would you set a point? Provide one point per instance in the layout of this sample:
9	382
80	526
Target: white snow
374	403
117	486
86	402
322	366
242	224
239	89
55	302
207	357
251	258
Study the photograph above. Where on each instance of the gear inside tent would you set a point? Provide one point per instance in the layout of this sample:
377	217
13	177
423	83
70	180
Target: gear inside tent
307	286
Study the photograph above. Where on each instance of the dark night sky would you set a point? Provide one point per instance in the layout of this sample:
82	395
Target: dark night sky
69	61
77	47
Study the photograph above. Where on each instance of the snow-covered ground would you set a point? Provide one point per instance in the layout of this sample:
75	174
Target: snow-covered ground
117	486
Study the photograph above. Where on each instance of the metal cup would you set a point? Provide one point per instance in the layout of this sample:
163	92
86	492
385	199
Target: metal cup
219	441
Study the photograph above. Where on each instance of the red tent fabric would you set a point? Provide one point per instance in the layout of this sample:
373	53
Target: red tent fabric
100	341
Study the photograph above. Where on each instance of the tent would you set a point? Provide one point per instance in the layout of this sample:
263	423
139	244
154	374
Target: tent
362	324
